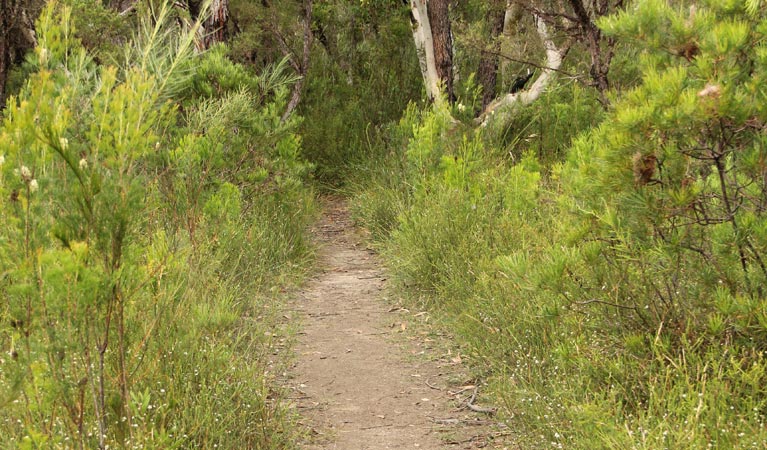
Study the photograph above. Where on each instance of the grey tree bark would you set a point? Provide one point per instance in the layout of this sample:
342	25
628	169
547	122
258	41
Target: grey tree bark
302	66
424	45
17	36
442	38
502	107
488	65
431	34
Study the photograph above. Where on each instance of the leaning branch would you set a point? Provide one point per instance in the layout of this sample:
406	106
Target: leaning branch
524	62
287	52
505	105
295	98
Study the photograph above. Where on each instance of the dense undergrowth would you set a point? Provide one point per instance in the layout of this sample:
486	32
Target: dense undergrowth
152	211
606	278
363	73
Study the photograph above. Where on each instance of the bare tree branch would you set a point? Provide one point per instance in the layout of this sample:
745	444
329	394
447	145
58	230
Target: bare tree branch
287	52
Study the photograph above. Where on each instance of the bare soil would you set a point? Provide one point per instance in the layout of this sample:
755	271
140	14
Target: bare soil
362	379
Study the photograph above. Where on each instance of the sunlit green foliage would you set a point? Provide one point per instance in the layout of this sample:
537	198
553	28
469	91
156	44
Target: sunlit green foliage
603	270
101	30
616	299
135	239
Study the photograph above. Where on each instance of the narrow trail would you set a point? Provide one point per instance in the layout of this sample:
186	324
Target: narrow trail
356	381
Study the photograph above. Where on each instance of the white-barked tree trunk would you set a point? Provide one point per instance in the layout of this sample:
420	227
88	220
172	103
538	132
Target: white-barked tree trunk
502	107
424	45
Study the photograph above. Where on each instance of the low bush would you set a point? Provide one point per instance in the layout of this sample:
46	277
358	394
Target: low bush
613	298
143	247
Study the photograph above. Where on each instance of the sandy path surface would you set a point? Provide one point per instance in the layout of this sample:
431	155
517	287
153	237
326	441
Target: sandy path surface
357	384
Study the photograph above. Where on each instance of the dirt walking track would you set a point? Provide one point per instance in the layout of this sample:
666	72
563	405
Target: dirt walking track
359	382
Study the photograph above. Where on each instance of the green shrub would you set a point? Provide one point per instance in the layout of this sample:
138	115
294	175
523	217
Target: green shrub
617	300
363	73
141	248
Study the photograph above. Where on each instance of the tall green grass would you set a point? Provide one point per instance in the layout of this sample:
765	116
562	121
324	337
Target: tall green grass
144	246
558	318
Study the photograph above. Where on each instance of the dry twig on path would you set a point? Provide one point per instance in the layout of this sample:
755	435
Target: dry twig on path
480	409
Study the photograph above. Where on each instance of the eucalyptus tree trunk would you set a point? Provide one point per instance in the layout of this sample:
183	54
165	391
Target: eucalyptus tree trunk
442	38
433	41
302	66
601	51
424	46
503	106
17	35
488	65
215	24
5	49
434	45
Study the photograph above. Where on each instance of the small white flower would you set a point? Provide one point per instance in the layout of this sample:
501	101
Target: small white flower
64	143
26	174
461	107
33	186
83	164
2	159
